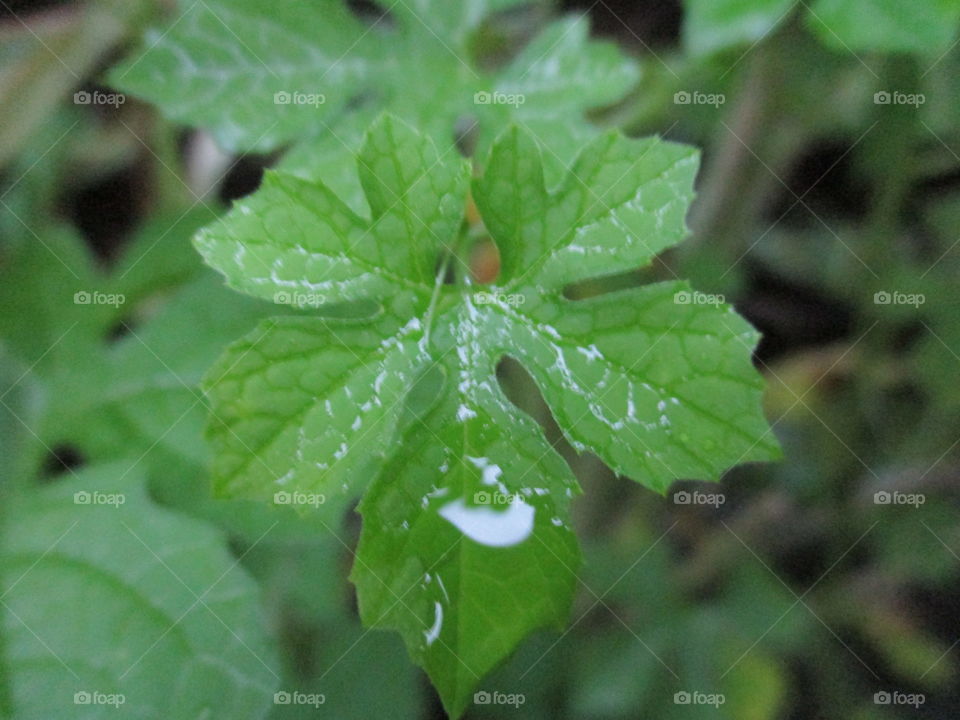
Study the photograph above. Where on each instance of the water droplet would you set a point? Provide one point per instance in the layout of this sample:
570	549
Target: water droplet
434	632
491	527
491	471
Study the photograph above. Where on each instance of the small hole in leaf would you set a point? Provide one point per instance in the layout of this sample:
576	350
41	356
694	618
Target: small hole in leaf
465	132
245	176
62	459
372	14
119	331
449	277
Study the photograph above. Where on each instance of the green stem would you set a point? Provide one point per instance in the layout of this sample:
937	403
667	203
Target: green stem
435	296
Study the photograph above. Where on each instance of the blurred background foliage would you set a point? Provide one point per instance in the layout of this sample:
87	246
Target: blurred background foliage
798	597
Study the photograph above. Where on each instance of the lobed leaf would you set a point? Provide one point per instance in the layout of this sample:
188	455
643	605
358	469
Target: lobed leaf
466	544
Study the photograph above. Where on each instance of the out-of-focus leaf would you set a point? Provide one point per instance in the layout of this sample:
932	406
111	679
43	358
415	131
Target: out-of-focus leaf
712	25
105	594
926	28
311	74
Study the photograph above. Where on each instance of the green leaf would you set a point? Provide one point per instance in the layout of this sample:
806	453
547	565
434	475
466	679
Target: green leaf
466	544
152	405
686	403
714	25
558	75
39	278
20	399
893	26
453	20
926	28
293	230
218	65
621	203
105	592
234	67
120	378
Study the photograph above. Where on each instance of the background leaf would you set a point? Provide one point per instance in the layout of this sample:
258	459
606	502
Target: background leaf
92	561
